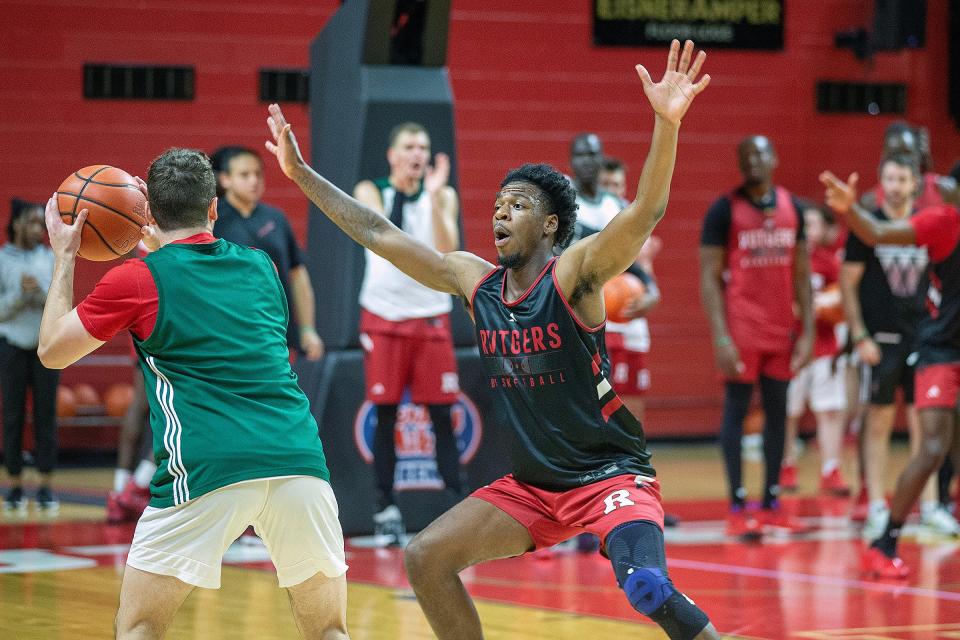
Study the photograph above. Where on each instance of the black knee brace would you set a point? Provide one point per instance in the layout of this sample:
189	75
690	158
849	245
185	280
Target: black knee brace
636	551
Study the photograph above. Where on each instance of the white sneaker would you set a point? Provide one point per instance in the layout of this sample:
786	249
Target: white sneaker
875	523
939	520
388	527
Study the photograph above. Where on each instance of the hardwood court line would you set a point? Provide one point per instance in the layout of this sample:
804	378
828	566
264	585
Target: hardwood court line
865	585
839	634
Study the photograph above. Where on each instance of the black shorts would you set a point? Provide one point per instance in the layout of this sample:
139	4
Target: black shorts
896	369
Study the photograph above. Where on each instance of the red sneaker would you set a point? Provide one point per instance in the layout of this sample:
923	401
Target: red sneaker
788	478
134	499
861	507
115	513
876	564
744	525
833	484
778	519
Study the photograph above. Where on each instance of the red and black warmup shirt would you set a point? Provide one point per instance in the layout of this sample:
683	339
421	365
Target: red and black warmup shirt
549	373
760	239
892	288
938	229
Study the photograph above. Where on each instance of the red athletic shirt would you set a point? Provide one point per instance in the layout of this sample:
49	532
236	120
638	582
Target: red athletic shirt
825	271
126	298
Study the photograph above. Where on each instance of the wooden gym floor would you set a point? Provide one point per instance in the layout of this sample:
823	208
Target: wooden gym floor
59	578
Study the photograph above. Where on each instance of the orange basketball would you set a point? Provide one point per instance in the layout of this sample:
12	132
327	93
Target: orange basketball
117	398
86	395
66	402
116	210
827	304
619	292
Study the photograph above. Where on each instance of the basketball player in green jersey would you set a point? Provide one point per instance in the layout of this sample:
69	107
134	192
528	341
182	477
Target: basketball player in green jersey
579	460
233	437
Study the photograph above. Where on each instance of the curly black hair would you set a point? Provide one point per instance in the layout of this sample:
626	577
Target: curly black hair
560	193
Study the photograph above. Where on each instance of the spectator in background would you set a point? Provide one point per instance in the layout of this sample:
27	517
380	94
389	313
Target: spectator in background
405	326
26	267
613	177
755	235
884	289
245	220
821	383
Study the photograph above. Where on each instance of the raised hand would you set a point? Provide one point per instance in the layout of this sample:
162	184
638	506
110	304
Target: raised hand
284	145
672	96
64	238
840	195
437	175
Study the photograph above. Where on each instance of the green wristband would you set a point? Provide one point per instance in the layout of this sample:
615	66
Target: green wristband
723	341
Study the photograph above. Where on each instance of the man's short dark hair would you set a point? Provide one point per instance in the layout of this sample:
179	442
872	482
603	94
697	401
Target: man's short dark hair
18	208
908	160
613	164
405	127
181	185
558	190
221	158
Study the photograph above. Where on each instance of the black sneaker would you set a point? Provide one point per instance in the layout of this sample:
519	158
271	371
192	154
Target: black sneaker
388	528
47	502
14	503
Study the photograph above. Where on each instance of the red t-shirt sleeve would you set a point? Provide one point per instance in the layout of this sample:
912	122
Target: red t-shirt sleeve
938	229
125	298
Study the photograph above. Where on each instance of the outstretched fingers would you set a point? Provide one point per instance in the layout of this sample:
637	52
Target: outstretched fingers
644	75
700	86
694	70
673	56
685	57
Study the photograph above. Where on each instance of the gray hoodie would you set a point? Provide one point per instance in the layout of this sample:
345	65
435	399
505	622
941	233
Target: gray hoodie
20	313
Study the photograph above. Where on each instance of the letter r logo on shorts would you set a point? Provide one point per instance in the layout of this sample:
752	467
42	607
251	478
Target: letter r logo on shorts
617	499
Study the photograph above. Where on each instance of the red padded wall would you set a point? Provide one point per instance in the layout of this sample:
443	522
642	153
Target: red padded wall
526	79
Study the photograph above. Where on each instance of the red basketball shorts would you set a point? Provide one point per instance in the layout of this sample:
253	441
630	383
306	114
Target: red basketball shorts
937	386
419	355
598	508
628	369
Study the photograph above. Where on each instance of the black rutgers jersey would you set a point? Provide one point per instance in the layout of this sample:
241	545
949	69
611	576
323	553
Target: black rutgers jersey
550	376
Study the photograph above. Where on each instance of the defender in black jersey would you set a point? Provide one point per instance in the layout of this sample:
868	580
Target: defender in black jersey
579	458
937	385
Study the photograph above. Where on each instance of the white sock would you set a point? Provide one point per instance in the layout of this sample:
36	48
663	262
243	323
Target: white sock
877	506
928	507
144	473
828	466
120	479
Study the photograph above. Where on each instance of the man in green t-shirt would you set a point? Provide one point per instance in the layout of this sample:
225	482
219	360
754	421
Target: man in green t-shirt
233	437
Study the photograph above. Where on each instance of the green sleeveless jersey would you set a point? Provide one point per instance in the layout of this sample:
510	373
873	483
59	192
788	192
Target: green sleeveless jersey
224	402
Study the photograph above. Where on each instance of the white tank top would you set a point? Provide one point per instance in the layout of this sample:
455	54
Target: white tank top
387	291
594	215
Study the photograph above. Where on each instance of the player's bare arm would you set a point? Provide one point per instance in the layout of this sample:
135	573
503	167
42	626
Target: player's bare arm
456	273
63	338
851	273
591	262
842	198
803	296
444	204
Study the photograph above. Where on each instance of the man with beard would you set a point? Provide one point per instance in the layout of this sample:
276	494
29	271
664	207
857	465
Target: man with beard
883	288
938	366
